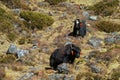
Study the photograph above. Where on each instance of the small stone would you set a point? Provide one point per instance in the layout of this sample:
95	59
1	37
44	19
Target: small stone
94	18
63	68
95	42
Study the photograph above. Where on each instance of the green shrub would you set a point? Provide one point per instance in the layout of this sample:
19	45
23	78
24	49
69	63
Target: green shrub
12	36
2	11
108	26
6	19
105	7
54	2
38	20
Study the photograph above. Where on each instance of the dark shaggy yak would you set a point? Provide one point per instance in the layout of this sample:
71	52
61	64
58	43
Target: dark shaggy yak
79	28
66	54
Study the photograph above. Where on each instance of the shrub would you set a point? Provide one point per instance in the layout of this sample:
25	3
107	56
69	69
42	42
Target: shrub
6	20
38	20
12	36
54	2
2	11
108	26
105	7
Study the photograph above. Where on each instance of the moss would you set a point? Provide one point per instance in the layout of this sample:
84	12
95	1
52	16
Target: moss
105	7
108	26
38	20
54	2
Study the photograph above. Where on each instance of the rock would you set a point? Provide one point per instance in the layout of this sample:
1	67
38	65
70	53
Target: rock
21	53
109	40
95	42
95	69
94	18
16	11
48	29
66	4
45	49
51	13
69	78
43	4
61	77
63	68
12	49
63	16
86	14
55	76
26	76
112	38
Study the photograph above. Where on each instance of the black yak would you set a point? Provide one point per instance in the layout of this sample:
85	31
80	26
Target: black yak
79	28
66	54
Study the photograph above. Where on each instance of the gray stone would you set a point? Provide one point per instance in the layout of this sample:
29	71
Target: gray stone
26	76
94	18
95	69
86	14
69	78
63	68
45	50
66	4
43	4
112	38
16	11
21	53
95	42
51	13
48	29
12	49
56	77
61	77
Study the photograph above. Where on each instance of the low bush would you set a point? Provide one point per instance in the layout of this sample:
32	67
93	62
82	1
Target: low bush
105	7
107	26
36	20
54	2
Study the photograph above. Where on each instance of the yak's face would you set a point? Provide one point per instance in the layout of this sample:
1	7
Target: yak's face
76	51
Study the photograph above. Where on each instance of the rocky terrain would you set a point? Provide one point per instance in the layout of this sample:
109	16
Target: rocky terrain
100	58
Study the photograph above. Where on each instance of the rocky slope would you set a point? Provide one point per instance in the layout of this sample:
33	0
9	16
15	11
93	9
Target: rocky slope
99	61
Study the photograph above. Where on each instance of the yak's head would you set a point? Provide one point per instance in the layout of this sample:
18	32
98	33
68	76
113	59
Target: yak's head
75	50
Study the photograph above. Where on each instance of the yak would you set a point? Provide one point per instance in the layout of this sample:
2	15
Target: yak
79	28
66	54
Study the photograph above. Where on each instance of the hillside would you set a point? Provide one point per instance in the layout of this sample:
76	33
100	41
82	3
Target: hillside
30	22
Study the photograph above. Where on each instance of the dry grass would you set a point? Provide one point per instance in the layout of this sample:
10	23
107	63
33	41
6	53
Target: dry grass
108	26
